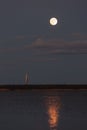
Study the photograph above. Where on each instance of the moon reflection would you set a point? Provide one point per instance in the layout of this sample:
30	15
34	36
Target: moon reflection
53	106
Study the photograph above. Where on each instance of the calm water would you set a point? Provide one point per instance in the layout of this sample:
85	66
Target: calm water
43	110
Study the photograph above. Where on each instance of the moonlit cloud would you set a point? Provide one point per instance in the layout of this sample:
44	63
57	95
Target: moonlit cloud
48	46
57	46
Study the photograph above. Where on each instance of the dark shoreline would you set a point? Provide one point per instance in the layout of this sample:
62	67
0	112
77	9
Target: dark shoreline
41	87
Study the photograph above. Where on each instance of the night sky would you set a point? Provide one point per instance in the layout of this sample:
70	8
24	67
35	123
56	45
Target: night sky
50	54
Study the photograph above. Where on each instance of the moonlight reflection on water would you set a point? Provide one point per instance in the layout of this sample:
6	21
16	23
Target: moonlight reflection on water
53	106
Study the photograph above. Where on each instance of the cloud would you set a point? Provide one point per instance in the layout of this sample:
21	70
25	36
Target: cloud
80	36
57	46
10	49
27	36
47	46
40	49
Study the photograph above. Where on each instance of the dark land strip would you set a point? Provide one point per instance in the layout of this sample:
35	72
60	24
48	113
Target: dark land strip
42	87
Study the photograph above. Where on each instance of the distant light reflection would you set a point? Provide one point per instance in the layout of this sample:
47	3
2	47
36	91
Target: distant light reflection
53	106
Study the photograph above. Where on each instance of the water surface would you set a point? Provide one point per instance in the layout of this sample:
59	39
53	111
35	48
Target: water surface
43	110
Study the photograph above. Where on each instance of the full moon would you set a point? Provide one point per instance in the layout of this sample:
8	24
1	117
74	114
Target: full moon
53	21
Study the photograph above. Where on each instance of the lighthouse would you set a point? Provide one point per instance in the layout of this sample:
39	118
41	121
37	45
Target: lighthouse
26	79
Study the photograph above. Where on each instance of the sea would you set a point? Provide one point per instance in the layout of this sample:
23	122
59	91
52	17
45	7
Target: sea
47	109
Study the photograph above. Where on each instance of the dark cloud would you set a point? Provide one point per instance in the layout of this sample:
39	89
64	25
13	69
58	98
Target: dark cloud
79	36
59	46
47	46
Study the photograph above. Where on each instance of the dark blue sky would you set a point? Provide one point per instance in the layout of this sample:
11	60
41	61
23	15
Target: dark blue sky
50	54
